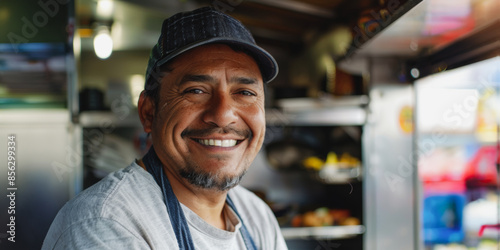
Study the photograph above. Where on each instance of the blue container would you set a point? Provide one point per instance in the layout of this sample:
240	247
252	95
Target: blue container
443	218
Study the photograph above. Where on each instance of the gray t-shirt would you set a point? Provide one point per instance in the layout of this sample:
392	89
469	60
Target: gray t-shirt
126	210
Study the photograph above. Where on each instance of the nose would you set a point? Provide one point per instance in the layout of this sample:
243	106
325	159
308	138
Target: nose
220	110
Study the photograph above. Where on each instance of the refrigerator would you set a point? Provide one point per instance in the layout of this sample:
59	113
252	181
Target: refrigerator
430	142
457	144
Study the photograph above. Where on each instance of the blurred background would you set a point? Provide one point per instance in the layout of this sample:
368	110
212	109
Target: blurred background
383	124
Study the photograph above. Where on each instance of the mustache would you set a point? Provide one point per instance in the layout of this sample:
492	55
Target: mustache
244	133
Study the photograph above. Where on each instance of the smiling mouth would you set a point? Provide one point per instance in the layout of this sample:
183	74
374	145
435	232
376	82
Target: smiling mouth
218	143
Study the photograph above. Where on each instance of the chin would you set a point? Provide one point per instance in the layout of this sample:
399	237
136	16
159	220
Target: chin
213	181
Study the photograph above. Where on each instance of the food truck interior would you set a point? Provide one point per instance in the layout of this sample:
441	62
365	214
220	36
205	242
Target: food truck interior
382	125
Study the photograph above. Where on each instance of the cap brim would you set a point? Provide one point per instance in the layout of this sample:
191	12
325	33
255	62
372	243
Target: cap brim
266	62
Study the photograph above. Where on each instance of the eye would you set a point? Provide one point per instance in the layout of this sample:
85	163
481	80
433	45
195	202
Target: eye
246	93
193	91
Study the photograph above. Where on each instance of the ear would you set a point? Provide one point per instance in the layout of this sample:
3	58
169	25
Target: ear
146	109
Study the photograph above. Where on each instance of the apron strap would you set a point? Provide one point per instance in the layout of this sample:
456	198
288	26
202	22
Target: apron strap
174	209
247	238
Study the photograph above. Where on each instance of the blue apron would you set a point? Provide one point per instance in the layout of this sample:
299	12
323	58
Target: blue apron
174	210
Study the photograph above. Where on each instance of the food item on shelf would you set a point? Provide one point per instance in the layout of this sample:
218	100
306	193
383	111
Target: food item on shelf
324	217
347	160
319	217
340	214
350	221
333	170
297	221
332	161
310	219
313	163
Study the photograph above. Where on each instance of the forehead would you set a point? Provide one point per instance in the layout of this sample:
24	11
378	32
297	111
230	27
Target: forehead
213	56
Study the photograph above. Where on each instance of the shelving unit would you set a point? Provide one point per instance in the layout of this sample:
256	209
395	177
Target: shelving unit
125	118
320	118
348	116
348	111
110	141
317	233
338	175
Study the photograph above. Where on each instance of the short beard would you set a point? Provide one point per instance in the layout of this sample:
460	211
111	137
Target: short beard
210	181
206	180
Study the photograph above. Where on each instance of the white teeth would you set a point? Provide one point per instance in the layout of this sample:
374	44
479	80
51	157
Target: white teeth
228	143
218	143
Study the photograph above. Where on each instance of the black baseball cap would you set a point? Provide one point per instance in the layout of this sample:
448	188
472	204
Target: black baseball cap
187	30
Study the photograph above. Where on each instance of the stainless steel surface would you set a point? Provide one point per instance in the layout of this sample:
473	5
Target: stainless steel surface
348	116
107	119
48	169
326	111
389	195
430	26
332	232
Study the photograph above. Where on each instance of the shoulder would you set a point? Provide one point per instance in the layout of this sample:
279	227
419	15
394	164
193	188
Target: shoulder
240	194
116	189
258	218
114	204
249	204
254	212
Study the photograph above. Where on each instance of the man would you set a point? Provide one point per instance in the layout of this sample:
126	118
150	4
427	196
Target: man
203	105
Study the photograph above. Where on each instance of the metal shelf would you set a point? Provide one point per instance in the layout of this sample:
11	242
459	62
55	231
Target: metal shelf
337	175
345	111
331	232
353	116
89	119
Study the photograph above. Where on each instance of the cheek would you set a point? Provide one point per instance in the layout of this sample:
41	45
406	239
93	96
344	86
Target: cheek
256	120
170	116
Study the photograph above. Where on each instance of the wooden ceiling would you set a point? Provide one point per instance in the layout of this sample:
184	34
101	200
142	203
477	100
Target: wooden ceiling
289	24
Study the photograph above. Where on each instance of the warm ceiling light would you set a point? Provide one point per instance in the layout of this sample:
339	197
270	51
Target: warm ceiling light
85	32
103	44
136	87
104	8
77	45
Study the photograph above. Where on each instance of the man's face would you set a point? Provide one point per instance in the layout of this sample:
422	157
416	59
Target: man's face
210	123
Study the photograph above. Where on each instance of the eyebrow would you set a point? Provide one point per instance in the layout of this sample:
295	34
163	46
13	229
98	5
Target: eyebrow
196	78
244	80
208	78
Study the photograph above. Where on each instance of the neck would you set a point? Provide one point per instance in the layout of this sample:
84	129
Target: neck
208	204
